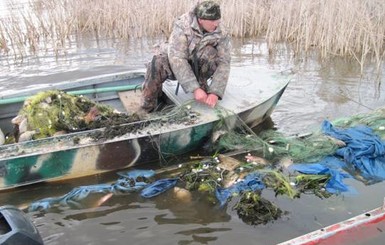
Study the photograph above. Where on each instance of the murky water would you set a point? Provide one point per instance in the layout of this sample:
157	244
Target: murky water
317	92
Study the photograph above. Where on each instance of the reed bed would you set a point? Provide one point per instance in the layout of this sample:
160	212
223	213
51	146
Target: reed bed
349	28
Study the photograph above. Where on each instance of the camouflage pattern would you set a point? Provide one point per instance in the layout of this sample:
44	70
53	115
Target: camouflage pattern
158	71
77	160
195	58
188	40
208	10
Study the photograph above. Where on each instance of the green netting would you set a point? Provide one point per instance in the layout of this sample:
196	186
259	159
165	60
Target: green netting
274	145
52	111
375	120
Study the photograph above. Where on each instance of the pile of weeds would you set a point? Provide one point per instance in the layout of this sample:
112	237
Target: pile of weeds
210	174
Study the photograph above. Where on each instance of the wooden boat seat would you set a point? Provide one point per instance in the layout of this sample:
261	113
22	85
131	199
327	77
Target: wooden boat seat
130	100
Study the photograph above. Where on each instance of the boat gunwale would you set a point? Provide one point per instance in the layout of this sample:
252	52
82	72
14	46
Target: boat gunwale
210	117
68	85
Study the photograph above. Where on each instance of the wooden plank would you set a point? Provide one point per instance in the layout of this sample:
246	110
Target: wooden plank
130	100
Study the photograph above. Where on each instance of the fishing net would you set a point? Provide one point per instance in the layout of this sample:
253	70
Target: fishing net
351	147
220	179
274	145
51	112
374	120
309	147
319	162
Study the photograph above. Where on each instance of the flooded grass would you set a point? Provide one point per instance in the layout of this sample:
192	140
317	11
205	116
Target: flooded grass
351	28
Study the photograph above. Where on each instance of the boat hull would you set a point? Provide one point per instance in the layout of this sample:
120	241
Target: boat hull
100	157
66	157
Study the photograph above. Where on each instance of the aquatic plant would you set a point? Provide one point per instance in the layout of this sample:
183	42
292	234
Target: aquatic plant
313	183
255	210
52	111
203	176
279	183
274	145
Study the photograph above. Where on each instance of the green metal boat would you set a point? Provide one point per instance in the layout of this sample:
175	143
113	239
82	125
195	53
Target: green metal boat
251	94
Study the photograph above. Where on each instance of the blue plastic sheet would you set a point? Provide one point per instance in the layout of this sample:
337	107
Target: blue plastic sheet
364	150
158	187
70	199
328	166
127	182
252	182
363	154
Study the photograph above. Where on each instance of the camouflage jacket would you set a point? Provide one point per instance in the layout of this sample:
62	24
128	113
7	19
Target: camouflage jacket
185	38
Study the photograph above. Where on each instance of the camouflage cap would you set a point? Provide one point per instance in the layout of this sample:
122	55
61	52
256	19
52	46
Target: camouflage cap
208	10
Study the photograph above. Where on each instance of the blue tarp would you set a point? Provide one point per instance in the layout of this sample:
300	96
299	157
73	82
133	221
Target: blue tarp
252	182
158	187
328	166
364	151
364	154
127	182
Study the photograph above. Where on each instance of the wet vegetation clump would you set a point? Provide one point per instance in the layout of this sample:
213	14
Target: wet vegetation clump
279	183
209	175
55	112
203	176
313	184
256	210
224	178
51	112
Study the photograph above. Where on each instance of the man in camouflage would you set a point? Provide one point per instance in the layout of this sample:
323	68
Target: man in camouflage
198	56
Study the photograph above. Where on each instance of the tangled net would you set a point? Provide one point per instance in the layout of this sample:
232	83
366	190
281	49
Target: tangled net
223	178
310	147
310	151
51	112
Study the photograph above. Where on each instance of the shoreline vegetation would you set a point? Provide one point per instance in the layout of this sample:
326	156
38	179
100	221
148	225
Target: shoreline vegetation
352	28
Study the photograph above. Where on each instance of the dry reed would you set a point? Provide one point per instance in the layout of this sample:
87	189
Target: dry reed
351	28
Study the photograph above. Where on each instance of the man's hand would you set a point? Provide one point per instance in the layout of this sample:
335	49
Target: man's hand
200	95
212	100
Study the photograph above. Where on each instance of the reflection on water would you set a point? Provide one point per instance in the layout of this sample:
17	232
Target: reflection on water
318	91
122	217
89	59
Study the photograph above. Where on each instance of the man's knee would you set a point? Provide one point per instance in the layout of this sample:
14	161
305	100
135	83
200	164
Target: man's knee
208	62
158	70
209	53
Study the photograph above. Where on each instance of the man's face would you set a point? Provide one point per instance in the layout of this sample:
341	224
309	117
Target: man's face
208	25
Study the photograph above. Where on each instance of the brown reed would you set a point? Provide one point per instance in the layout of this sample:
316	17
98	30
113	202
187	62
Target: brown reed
349	28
